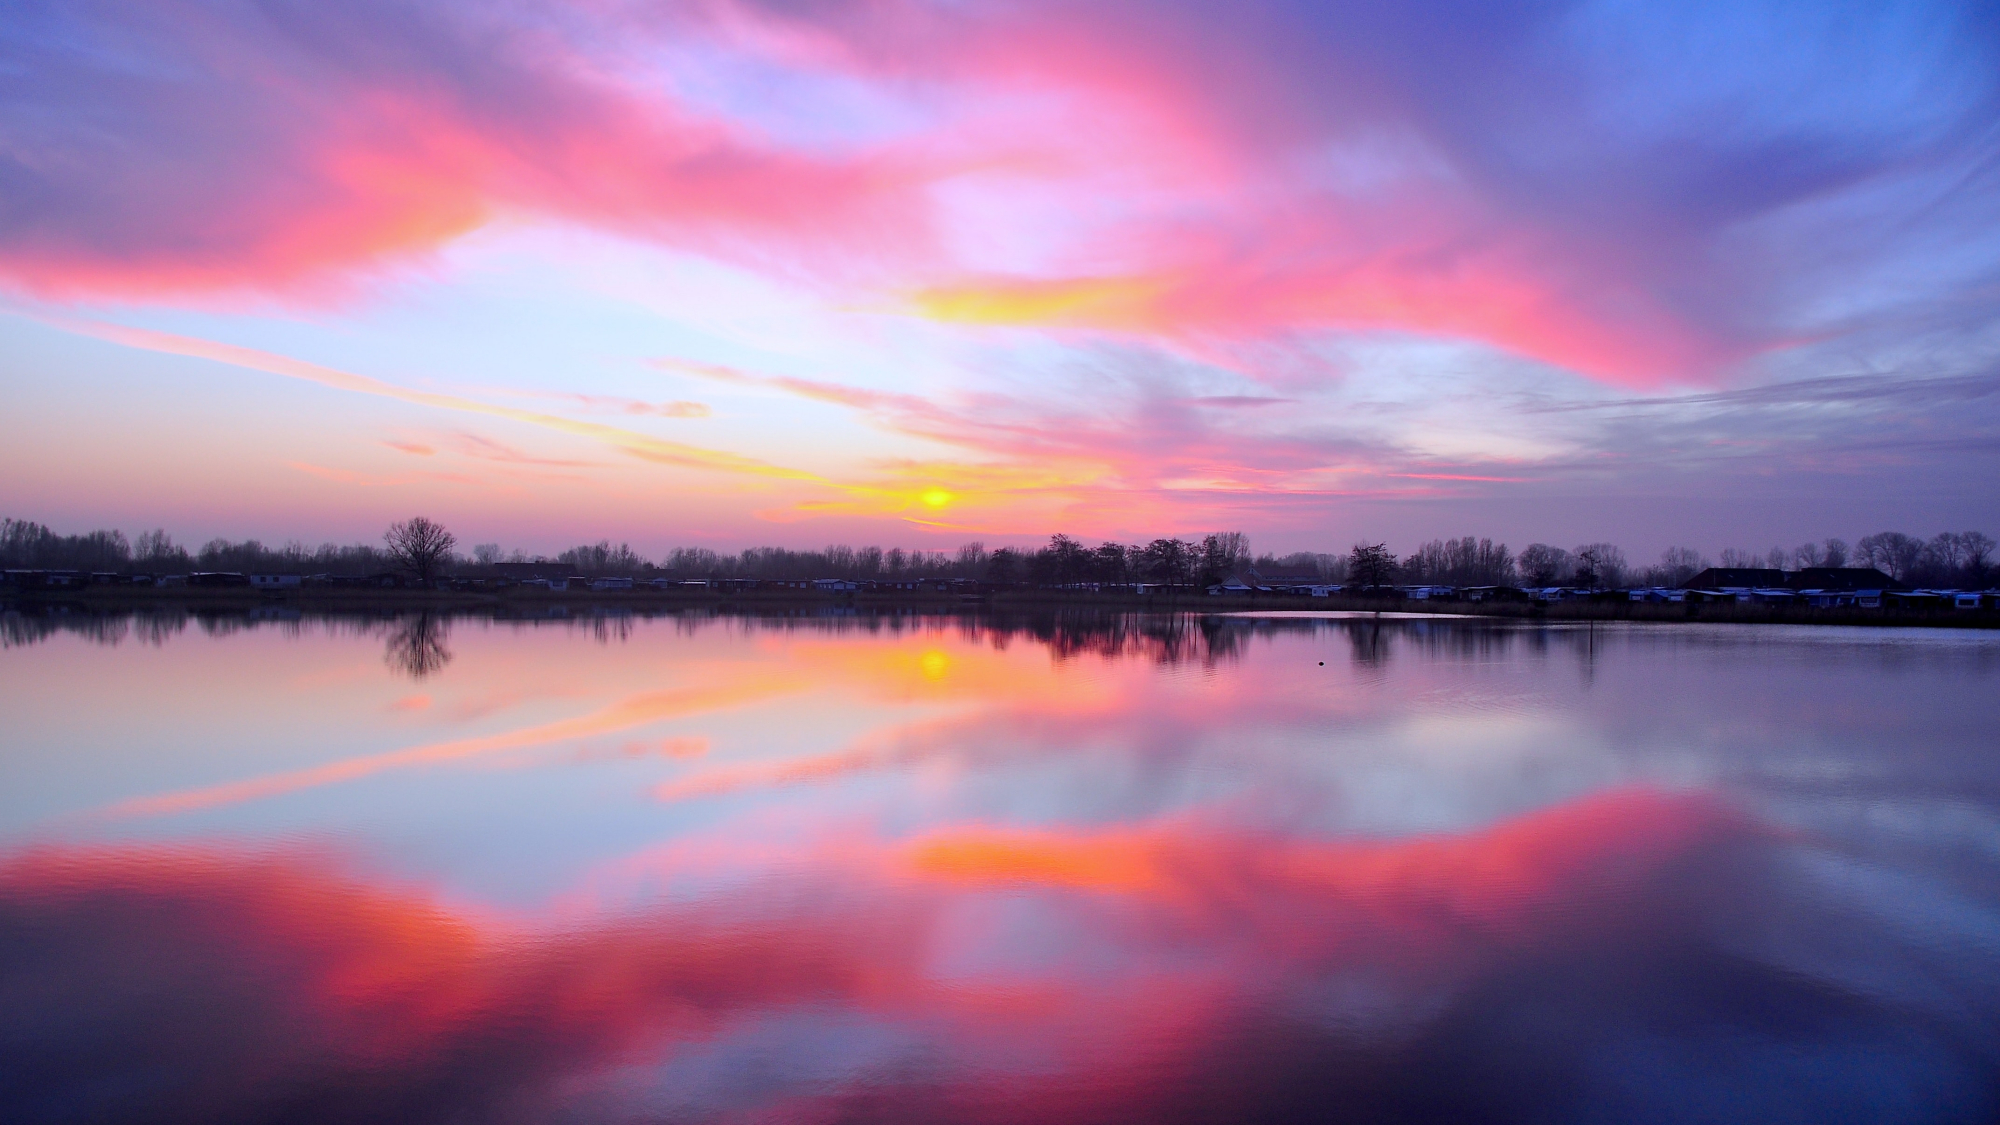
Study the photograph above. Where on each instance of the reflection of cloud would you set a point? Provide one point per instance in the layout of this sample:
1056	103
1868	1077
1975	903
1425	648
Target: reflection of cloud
1495	879
1633	946
685	746
630	712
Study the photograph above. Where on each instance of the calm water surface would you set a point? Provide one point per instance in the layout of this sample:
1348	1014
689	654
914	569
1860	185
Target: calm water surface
971	870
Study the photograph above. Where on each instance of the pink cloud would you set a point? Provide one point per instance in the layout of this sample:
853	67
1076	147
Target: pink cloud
286	157
1183	158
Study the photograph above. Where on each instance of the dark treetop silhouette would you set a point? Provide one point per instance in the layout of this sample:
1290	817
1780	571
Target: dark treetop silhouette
419	545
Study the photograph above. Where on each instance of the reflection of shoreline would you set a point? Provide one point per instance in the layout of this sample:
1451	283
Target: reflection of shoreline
415	638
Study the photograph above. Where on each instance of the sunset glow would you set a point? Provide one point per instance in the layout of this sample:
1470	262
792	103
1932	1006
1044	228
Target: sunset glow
738	273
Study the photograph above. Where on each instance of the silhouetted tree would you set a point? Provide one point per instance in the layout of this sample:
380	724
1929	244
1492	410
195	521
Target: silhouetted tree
1599	565
1677	565
419	545
602	558
1166	560
1891	551
1370	564
1223	553
1543	565
1463	562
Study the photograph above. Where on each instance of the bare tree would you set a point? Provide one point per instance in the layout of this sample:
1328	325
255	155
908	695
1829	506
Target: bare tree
1678	564
1543	565
1223	553
1978	547
1370	565
419	545
1599	564
1836	552
1891	551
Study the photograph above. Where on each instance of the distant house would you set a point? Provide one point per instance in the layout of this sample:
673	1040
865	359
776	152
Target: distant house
1278	578
611	583
1735	578
47	579
525	571
1841	578
276	581
384	580
835	585
1428	593
215	578
918	585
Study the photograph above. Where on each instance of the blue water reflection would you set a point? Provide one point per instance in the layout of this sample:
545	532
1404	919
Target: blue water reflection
1059	868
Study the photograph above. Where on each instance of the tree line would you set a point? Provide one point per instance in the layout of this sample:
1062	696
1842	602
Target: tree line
424	547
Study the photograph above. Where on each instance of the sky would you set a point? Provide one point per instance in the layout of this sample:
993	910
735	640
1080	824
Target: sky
728	273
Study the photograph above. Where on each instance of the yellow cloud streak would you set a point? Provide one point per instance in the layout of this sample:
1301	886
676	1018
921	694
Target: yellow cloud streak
904	492
639	445
1114	301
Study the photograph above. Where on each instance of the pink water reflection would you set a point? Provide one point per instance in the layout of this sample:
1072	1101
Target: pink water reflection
991	871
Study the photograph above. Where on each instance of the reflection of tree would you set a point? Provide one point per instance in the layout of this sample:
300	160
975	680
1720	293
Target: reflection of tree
417	647
1371	647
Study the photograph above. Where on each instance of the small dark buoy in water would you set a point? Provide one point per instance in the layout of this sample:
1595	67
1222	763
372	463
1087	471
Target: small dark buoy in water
1322	663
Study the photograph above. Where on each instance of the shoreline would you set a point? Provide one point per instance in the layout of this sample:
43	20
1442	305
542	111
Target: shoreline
129	599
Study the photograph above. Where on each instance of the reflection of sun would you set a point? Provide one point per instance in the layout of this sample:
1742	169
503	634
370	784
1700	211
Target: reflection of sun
934	664
935	497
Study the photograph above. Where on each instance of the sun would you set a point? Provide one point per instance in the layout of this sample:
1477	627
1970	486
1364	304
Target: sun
935	497
934	664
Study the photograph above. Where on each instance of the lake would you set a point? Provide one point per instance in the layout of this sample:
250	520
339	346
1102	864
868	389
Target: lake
607	867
